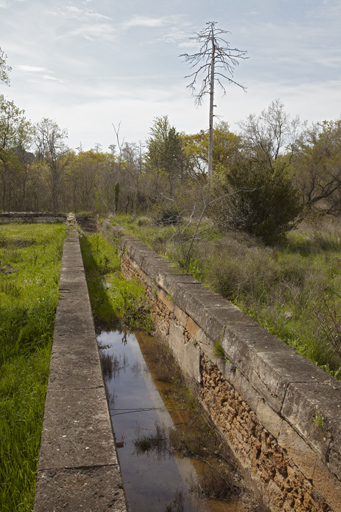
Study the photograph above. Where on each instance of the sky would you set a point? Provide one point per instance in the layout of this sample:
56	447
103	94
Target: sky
90	65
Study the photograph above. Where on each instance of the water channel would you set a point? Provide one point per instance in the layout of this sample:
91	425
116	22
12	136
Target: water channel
154	478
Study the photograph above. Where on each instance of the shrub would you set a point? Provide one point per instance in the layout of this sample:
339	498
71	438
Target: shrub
258	200
166	215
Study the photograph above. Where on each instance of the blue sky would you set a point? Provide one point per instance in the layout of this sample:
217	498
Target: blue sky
88	64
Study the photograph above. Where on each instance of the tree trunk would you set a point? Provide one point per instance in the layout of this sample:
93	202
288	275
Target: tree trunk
210	130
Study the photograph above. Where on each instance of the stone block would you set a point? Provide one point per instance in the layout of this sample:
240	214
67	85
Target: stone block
327	486
334	461
193	329
215	318
70	369
268	417
165	299
180	315
173	284
314	410
125	241
267	362
298	450
156	268
187	355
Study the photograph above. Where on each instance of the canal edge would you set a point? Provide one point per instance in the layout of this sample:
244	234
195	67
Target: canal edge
78	468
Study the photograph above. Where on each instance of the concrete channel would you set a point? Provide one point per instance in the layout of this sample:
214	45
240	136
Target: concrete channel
78	467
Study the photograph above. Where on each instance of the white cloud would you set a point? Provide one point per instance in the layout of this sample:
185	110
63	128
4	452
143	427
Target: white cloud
95	31
85	22
30	69
178	37
83	14
49	77
330	10
144	21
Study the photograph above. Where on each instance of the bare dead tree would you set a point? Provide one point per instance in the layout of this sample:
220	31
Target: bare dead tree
216	61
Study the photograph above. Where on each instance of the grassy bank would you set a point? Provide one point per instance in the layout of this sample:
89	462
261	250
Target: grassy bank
293	289
113	299
30	259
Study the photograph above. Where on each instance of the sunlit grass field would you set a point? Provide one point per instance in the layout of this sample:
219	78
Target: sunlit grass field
293	289
30	261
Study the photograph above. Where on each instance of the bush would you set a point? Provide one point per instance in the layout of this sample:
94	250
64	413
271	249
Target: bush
260	201
166	215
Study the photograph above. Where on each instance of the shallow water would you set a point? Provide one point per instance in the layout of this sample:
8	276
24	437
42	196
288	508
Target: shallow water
154	480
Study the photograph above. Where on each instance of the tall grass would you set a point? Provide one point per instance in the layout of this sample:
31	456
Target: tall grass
113	299
30	258
292	289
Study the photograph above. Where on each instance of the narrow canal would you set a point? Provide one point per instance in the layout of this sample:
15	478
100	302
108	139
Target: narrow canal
146	413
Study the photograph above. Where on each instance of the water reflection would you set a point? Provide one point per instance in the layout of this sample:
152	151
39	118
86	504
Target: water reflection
155	479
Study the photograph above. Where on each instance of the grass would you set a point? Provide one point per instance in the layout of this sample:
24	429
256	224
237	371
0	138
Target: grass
292	289
30	259
113	299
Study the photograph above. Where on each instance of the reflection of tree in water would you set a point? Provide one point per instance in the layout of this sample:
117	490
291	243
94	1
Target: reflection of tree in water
177	505
156	441
137	368
113	364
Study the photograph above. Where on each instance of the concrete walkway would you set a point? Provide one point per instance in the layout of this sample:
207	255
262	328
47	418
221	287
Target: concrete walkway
78	467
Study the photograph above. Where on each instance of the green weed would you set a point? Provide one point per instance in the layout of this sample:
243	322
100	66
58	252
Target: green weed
218	350
30	257
113	299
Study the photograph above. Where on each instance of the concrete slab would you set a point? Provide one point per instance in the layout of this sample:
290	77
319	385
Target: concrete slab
80	489
77	430
76	371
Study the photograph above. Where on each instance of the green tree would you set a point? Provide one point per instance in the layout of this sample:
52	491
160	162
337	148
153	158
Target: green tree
164	157
317	167
226	149
270	135
15	137
4	68
258	200
51	148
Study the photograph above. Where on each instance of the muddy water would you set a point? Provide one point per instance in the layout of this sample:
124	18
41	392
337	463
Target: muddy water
154	479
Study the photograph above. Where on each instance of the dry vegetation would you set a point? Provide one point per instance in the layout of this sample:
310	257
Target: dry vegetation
292	288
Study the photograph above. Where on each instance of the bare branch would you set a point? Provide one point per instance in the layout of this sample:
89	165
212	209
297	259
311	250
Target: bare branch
214	54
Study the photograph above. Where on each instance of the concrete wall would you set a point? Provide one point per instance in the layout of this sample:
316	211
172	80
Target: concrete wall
279	413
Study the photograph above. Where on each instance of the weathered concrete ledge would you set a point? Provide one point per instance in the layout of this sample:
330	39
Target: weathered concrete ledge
78	467
32	217
280	414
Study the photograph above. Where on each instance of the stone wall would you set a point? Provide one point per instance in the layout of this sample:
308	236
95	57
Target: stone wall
279	413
